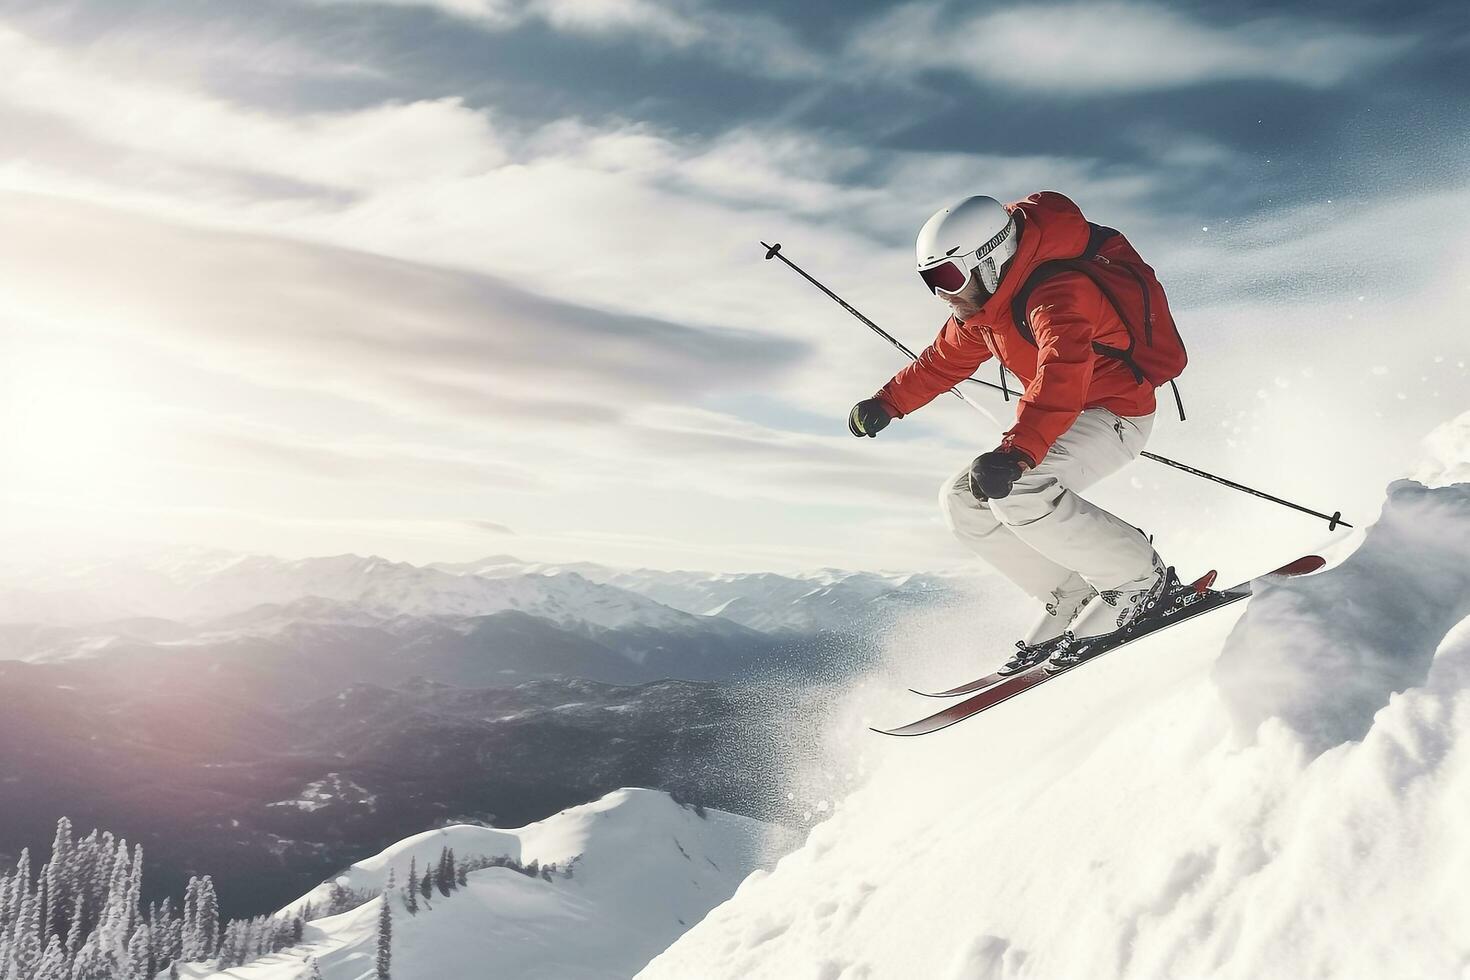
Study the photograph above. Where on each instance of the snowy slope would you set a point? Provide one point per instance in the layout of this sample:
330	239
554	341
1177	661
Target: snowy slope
1278	790
646	869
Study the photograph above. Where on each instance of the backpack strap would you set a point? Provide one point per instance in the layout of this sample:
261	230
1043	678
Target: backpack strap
1098	236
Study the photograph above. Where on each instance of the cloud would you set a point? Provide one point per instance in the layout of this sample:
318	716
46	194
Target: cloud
380	146
1088	49
236	444
742	40
490	527
362	325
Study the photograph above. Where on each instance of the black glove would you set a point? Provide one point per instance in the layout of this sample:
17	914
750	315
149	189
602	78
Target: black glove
867	418
993	474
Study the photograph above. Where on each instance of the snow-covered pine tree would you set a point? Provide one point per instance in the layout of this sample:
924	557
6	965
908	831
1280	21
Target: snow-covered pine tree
140	955
7	910
91	963
426	886
113	925
74	934
208	916
410	894
25	943
189	940
385	930
166	931
313	969
227	946
53	965
60	880
135	890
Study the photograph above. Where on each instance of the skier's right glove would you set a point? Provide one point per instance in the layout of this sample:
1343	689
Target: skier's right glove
868	418
994	473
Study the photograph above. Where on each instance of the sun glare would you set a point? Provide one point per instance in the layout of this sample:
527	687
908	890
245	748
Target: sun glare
67	418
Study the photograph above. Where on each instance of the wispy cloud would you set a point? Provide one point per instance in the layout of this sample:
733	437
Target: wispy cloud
490	527
364	327
743	40
1085	49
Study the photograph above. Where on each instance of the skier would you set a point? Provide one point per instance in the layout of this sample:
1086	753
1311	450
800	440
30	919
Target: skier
1086	411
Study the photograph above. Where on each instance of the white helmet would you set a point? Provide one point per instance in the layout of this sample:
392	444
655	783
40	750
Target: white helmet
975	234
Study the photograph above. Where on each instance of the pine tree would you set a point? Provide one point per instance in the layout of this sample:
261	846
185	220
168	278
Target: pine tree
227	946
135	889
410	896
140	955
208	917
385	930
426	886
6	910
314	969
443	880
25	944
120	911
91	963
189	940
60	879
53	964
74	932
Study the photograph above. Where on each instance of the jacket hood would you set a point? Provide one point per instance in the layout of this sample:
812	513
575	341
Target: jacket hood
1052	227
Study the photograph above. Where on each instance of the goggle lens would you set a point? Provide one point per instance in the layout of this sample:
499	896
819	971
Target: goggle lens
947	276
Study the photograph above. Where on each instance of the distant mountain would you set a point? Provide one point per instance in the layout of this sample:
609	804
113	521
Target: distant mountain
495	621
823	600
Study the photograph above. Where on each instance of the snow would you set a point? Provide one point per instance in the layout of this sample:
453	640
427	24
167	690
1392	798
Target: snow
1276	790
645	869
1447	458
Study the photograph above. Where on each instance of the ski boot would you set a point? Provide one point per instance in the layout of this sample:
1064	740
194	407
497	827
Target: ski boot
1114	615
1049	630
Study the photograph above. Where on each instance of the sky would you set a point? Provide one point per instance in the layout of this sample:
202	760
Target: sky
436	280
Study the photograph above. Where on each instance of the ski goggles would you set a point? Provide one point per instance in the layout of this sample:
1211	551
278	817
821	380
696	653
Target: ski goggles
953	272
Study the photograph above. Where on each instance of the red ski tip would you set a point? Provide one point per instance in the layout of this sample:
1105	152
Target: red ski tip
1302	566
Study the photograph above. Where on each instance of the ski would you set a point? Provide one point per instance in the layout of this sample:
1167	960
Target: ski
1186	602
978	684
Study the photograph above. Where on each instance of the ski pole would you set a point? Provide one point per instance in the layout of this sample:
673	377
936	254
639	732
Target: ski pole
774	252
1334	520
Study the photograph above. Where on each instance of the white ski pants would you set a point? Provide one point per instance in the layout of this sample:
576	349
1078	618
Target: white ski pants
1043	536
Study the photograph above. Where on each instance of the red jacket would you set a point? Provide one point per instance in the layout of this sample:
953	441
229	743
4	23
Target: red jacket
1061	373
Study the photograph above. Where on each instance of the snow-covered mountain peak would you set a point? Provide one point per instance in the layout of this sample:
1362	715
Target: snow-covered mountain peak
644	868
